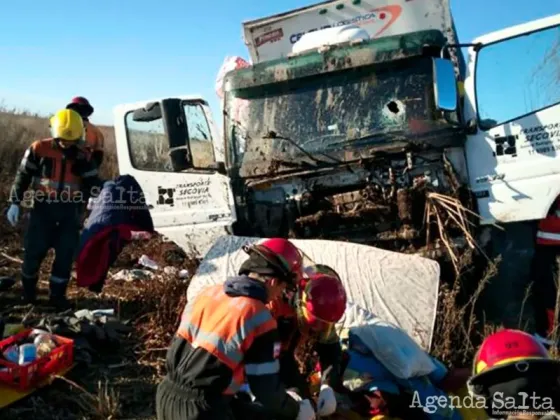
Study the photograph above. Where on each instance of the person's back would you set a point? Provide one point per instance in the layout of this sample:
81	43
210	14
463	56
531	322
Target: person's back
95	141
227	337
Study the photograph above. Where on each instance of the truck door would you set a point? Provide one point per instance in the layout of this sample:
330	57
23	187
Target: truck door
513	94
172	148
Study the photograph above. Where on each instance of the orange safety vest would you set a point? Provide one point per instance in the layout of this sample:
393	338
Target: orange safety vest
549	228
55	179
94	137
226	327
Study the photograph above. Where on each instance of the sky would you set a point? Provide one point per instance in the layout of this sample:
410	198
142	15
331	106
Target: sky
119	51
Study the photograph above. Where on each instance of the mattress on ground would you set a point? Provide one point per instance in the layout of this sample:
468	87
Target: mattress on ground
399	288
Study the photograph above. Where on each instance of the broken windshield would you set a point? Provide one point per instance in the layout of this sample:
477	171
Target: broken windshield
325	113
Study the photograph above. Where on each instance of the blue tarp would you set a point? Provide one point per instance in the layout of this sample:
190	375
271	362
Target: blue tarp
119	210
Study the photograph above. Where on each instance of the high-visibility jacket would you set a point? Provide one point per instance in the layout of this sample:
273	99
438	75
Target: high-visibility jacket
225	327
94	137
95	141
55	174
227	336
549	228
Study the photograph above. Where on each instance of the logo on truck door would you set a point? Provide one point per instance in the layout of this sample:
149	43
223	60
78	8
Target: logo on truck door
506	145
191	194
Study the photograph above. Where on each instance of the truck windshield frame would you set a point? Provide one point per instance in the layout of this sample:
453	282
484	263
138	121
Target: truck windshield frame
329	114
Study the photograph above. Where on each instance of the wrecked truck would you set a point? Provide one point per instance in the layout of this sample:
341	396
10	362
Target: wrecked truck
339	144
370	140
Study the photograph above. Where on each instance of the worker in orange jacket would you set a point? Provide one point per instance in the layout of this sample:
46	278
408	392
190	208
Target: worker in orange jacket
94	137
227	337
546	271
61	173
310	311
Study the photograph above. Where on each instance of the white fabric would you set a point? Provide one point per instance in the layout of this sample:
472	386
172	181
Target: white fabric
401	355
399	288
13	214
326	403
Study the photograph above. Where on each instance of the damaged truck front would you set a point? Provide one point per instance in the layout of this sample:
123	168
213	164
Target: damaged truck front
342	143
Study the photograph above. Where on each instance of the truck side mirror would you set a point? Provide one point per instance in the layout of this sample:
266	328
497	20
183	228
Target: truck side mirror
445	85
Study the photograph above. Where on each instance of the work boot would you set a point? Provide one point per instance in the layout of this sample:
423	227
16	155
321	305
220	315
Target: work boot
29	286
57	296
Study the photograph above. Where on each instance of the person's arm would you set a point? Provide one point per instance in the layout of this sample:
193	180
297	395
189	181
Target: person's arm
99	150
330	355
86	169
262	368
28	168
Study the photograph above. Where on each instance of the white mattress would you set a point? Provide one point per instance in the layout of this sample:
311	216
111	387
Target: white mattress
399	288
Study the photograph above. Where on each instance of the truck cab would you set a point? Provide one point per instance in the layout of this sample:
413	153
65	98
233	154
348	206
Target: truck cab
343	141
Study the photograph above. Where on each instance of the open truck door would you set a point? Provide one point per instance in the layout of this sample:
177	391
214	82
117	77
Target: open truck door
512	109
172	148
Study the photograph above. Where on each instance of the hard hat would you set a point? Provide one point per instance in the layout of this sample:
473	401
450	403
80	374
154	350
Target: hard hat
512	363
81	105
282	255
67	125
508	347
322	302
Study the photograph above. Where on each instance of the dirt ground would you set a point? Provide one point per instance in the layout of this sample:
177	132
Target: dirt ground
121	384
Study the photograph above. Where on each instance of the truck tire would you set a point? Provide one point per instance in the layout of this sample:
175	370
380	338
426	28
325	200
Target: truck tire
507	298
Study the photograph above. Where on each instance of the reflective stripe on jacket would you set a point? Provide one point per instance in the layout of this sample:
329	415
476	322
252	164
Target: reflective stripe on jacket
549	228
226	327
54	173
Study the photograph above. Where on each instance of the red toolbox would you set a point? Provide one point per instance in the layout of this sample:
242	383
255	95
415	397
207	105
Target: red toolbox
25	377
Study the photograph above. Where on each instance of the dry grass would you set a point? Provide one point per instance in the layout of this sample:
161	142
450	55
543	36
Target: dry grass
122	384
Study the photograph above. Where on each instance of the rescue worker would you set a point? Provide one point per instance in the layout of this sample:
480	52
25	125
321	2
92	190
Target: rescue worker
311	314
61	173
513	372
227	335
94	137
546	271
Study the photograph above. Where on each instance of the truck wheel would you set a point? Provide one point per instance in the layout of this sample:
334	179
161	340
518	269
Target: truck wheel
507	298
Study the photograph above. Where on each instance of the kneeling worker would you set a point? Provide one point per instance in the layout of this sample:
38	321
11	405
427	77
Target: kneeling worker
228	336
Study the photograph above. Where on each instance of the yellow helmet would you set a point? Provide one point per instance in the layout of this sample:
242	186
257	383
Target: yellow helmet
67	125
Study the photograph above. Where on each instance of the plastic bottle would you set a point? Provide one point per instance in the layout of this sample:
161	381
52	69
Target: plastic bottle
148	262
27	354
11	354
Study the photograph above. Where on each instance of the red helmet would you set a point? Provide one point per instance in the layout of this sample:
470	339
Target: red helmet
509	364
507	347
81	105
322	302
281	254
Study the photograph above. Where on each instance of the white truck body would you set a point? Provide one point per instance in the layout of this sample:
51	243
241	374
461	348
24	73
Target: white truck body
273	37
510	187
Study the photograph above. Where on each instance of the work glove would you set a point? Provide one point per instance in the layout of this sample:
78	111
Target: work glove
326	403
13	214
306	411
90	203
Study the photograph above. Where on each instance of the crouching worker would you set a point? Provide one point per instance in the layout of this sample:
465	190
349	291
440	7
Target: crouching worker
306	323
61	173
515	377
227	337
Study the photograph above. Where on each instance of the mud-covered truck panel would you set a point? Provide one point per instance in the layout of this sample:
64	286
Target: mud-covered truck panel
369	143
